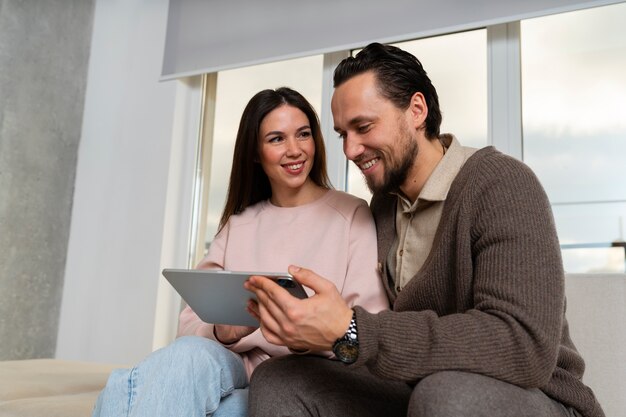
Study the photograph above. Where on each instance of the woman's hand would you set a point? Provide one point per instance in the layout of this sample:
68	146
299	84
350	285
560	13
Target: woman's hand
227	334
189	324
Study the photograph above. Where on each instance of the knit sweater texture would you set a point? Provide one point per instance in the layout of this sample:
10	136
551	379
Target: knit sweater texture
489	298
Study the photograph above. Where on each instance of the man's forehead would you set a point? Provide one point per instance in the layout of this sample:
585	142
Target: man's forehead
358	84
356	100
356	90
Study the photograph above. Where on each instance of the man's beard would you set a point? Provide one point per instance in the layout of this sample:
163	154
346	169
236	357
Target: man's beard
395	173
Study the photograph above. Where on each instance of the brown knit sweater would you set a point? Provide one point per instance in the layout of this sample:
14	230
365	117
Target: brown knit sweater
490	297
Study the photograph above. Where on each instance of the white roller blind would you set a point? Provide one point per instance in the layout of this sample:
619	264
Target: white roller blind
212	35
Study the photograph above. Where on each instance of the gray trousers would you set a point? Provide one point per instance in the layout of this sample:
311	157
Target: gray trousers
313	386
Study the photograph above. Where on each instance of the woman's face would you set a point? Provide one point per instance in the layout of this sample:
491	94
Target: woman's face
286	149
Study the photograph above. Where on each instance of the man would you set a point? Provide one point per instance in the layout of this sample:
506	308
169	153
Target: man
470	259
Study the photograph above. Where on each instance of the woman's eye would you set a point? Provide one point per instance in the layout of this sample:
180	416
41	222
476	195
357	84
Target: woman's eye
275	139
305	134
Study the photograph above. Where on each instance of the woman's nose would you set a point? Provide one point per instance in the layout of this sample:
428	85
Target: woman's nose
293	147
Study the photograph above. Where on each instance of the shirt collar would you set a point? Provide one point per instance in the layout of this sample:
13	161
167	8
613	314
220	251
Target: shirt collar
438	184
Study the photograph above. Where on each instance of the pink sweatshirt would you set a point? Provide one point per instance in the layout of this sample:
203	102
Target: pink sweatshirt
334	236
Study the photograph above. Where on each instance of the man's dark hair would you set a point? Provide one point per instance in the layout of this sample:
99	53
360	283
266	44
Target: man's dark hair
399	75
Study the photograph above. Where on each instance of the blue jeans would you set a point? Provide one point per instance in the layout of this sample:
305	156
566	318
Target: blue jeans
192	377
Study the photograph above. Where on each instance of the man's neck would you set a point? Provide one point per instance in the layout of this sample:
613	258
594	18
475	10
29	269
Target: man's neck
429	155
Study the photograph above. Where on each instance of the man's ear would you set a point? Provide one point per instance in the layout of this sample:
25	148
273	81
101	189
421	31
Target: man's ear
418	110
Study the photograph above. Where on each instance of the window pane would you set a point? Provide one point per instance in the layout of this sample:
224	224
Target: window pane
592	236
594	260
574	95
234	90
457	66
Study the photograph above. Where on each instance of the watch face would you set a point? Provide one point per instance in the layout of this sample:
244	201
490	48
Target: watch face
346	352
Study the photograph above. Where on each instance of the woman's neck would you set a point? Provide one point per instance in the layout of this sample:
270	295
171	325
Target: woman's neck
306	194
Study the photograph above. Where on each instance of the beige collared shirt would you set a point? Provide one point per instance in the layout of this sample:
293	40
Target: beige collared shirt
417	222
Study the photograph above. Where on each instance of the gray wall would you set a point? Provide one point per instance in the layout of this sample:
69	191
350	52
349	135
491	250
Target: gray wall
44	52
133	126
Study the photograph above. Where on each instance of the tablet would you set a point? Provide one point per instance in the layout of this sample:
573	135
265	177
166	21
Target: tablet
219	297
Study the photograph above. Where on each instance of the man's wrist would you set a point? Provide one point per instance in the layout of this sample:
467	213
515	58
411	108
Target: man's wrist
346	348
344	326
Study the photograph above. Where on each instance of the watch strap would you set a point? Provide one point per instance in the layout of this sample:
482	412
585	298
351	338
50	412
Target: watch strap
346	348
351	334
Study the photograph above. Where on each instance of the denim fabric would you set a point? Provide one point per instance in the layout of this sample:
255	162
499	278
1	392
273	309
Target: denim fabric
192	377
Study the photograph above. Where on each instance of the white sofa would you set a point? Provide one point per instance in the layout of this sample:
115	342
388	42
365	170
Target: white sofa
596	315
50	387
596	312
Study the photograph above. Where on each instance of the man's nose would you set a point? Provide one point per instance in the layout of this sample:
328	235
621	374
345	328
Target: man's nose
351	147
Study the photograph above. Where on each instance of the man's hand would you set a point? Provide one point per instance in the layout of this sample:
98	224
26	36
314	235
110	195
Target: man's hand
310	324
230	334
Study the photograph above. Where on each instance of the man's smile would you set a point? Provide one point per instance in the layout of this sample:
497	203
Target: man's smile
368	164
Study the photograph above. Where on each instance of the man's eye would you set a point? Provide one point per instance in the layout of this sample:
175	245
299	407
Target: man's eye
364	128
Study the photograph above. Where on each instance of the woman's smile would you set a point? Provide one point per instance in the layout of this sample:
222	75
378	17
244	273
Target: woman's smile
294	168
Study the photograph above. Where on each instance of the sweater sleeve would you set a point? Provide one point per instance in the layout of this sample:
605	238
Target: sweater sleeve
188	321
362	285
495	301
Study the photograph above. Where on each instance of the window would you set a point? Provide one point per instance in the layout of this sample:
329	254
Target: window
574	95
457	66
574	133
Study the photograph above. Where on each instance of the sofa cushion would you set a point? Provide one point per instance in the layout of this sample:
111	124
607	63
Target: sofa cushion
50	387
66	405
596	313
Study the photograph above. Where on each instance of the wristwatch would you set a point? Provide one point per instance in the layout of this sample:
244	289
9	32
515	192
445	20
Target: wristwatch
346	348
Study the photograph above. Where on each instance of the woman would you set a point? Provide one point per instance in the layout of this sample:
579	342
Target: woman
280	210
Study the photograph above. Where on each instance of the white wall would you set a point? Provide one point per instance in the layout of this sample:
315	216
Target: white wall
116	236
